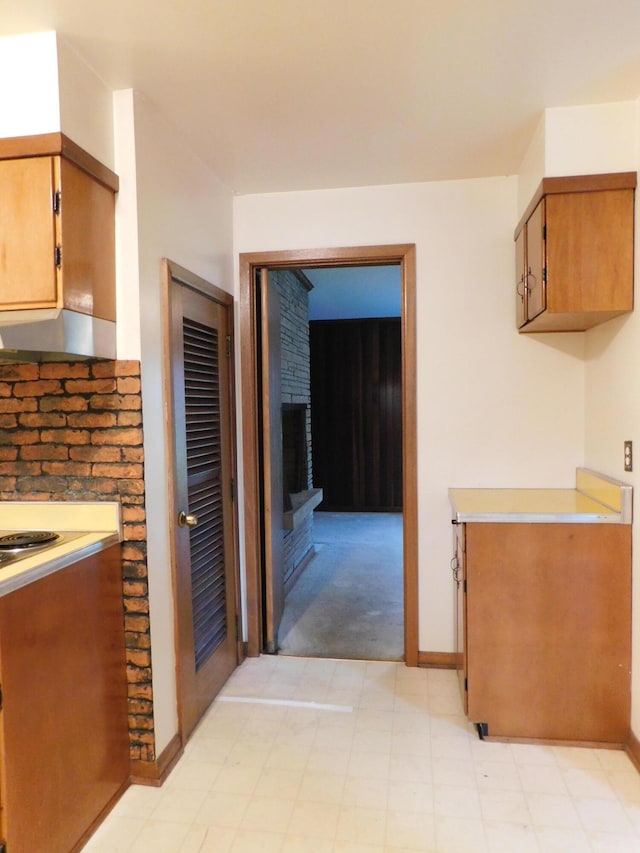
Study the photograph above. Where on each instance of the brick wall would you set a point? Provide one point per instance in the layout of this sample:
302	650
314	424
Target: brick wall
73	431
295	379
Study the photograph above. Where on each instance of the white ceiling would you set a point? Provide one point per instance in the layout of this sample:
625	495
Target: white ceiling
280	95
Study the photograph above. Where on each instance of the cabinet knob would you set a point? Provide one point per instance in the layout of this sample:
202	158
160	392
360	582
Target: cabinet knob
187	519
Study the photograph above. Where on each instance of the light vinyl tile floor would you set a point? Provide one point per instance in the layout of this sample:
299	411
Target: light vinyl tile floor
306	755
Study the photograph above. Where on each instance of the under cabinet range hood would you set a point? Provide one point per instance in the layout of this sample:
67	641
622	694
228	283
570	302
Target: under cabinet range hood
55	335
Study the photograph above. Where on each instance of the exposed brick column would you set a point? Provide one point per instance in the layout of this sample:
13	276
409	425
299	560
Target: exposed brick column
295	379
73	432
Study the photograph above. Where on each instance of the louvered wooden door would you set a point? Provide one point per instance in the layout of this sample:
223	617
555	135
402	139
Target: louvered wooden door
204	530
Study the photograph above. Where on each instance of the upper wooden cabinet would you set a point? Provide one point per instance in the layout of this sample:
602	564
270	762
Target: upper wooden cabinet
57	227
574	253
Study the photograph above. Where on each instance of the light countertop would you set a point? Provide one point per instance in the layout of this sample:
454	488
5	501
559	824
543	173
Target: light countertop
96	525
597	499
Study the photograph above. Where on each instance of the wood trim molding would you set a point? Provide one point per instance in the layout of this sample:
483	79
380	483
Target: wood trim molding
189	279
57	144
85	161
632	748
167	393
252	499
155	772
410	455
577	184
39	145
437	660
405	256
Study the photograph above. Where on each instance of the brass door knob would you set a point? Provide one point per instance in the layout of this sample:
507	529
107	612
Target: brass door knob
187	519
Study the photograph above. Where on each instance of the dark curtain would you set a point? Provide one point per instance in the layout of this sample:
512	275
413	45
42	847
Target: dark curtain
356	413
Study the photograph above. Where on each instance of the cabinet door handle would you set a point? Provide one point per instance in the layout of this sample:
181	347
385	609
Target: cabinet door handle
455	568
530	275
519	285
187	519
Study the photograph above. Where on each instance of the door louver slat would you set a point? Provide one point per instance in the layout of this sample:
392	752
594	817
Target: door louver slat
204	471
210	540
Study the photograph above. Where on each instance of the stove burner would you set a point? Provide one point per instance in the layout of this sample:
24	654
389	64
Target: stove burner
27	539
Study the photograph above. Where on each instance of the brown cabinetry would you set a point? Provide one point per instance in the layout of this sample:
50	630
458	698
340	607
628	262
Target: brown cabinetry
544	630
64	754
57	228
458	568
574	253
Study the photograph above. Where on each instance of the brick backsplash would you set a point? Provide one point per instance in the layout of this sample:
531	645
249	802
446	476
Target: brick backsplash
73	432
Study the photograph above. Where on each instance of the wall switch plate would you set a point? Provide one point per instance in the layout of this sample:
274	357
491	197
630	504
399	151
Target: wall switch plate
628	456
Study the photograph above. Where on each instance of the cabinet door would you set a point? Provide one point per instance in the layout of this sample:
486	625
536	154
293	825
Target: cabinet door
87	236
521	285
590	251
64	716
459	572
27	234
536	263
549	630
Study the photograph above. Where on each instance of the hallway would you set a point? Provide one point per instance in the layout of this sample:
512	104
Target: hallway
348	603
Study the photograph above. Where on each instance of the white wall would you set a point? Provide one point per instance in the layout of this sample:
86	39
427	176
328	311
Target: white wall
128	327
29	103
590	139
53	89
86	111
532	168
184	213
494	408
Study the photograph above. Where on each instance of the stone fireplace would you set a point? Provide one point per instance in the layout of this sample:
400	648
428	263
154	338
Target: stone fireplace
300	498
295	457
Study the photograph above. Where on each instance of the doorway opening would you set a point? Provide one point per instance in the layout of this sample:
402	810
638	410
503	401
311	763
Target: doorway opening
252	321
346	600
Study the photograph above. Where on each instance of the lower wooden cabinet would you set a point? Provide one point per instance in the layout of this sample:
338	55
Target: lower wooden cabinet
544	630
63	725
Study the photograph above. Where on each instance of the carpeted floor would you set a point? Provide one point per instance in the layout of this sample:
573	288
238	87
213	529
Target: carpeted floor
348	603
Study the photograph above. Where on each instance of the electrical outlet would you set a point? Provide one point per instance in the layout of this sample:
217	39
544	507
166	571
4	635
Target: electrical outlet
628	456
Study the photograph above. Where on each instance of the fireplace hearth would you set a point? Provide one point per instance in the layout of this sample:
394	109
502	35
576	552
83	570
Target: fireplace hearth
295	451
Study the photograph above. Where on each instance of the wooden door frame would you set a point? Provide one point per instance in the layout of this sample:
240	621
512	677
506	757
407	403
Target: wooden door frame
172	272
405	256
